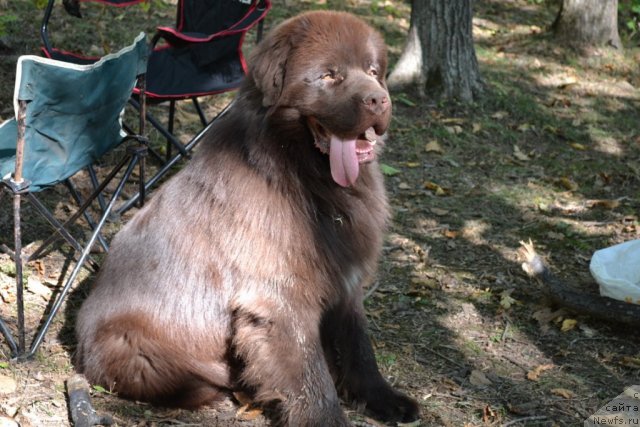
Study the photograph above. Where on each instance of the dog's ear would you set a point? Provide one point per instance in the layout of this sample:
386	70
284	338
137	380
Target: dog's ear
268	66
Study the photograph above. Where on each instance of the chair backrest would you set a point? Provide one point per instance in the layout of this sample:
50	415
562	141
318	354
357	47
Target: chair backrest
213	16
73	112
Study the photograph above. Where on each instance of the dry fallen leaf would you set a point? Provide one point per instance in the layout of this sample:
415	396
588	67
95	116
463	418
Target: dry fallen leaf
630	362
524	127
534	374
454	130
7	296
433	147
520	155
478	378
555	236
489	416
506	300
499	115
451	234
415	423
568	324
567	184
437	190
603	203
40	267
247	413
439	212
563	392
545	315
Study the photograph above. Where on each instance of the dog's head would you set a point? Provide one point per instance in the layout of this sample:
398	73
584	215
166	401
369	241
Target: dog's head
329	68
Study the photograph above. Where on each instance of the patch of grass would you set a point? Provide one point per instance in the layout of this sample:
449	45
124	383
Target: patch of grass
386	359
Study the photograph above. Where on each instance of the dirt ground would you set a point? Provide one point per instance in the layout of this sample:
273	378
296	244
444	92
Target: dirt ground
549	153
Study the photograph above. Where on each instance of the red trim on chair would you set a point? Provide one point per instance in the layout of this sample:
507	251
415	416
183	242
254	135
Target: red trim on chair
153	95
69	54
229	31
243	61
115	4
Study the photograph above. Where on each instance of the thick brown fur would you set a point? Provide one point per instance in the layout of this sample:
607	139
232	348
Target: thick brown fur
246	269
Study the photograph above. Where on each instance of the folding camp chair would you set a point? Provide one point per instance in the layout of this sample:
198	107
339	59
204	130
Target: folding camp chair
67	117
201	56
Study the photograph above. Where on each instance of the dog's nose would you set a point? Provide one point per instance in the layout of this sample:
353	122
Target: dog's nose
377	102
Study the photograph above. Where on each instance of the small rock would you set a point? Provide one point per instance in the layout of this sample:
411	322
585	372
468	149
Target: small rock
9	410
8	422
7	385
35	286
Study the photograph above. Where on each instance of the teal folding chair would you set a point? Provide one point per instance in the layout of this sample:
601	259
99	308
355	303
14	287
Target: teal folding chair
67	117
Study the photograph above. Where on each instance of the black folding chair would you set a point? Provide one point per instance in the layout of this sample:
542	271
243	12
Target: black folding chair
67	117
201	56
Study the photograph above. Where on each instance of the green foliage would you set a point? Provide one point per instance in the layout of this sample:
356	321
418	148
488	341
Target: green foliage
378	6
100	389
389	170
629	13
5	20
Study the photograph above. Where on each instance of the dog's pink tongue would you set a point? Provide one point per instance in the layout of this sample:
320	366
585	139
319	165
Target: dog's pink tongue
343	160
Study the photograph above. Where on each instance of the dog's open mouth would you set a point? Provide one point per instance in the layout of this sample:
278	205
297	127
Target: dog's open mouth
345	154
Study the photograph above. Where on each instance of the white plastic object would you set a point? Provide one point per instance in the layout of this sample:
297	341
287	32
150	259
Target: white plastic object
617	271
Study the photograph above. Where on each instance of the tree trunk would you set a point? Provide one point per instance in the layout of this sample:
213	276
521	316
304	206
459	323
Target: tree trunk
439	56
588	23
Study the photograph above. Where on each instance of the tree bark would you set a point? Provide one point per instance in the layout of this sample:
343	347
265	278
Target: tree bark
588	23
439	56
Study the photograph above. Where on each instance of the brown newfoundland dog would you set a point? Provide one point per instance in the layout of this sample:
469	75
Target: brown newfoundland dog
245	271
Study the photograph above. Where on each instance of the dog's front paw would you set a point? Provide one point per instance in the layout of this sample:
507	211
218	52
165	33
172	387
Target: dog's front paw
387	404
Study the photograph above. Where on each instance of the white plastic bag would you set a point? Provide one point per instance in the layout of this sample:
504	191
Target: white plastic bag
617	271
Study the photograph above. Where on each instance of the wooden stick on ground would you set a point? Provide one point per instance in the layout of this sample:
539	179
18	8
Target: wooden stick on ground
82	413
584	303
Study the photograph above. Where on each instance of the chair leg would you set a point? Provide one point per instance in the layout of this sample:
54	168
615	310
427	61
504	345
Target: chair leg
167	166
141	183
94	182
158	126
203	118
59	228
17	257
8	336
56	224
85	253
172	116
260	31
78	199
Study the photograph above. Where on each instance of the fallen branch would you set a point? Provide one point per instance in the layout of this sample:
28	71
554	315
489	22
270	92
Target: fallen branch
584	303
82	413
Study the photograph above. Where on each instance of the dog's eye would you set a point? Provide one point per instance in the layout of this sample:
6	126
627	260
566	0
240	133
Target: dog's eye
373	72
329	76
